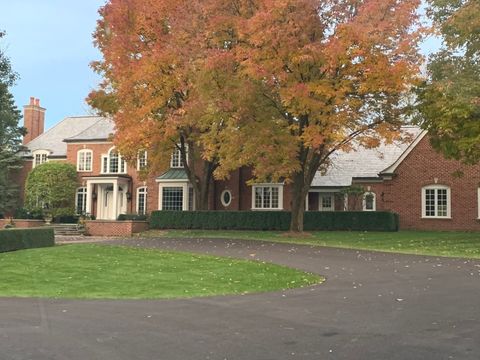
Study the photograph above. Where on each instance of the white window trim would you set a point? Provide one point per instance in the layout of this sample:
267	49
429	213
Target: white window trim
280	196
138	160
84	192
221	198
138	197
184	185
449	202
181	166
332	199
364	202
84	151
120	159
39	152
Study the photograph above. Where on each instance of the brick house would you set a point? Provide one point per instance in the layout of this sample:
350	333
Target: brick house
425	189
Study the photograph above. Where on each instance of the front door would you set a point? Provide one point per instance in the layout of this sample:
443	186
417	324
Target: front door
326	202
106	210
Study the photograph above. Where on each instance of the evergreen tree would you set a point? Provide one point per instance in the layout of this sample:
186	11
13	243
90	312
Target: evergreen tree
10	135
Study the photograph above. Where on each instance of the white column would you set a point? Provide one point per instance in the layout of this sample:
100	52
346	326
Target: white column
306	201
345	202
88	205
115	200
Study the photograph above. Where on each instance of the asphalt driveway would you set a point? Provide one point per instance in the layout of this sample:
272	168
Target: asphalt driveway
372	306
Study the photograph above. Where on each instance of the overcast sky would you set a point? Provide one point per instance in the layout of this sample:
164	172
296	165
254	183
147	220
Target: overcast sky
50	45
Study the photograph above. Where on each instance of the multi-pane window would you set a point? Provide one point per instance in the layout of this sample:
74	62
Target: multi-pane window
369	202
172	198
436	201
84	160
176	160
267	197
191	199
142	200
142	160
81	200
113	163
39	158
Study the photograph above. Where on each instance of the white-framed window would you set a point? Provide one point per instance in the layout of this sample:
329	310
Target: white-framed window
176	159
81	200
267	197
40	157
142	200
176	196
369	201
226	198
84	160
172	198
436	202
141	160
326	202
113	163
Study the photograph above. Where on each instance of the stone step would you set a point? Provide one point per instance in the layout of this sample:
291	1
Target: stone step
69	229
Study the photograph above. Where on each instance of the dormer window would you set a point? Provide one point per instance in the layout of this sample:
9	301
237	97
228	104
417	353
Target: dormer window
40	157
113	163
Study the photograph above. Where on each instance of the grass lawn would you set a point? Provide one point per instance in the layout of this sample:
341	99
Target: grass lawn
453	244
114	272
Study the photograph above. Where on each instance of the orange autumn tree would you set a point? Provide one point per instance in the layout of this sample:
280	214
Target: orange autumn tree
154	53
337	73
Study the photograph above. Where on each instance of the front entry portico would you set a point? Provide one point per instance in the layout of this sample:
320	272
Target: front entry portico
111	195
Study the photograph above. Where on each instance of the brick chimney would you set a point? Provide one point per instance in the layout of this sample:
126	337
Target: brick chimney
33	120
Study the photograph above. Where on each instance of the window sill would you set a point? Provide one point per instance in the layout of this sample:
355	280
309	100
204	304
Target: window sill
437	217
259	209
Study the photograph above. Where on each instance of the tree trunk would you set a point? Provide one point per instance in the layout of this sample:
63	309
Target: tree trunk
201	195
299	192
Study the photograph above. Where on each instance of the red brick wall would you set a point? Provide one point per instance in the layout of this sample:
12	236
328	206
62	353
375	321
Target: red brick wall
422	167
33	120
21	224
114	228
100	149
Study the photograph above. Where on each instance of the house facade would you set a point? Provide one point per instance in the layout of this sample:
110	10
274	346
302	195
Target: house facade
410	178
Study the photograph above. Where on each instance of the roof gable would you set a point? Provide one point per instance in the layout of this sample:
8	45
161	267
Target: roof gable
364	163
101	130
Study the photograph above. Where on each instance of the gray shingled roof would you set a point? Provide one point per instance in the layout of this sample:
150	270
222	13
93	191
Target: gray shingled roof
52	139
362	163
103	129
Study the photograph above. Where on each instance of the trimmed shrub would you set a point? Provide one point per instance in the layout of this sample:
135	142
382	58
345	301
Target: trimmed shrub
274	220
351	220
221	220
134	217
20	239
67	219
24	214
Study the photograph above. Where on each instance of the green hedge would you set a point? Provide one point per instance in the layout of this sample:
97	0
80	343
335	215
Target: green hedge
351	220
134	217
216	220
19	239
273	220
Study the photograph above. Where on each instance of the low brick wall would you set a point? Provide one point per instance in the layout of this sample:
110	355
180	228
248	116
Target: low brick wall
114	228
22	223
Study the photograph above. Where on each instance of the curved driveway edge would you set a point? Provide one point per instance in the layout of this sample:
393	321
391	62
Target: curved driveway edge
372	306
